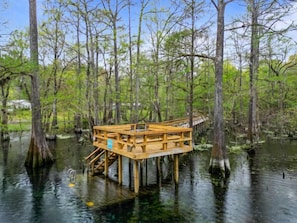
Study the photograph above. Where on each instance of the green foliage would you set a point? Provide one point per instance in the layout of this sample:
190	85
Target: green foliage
164	59
19	127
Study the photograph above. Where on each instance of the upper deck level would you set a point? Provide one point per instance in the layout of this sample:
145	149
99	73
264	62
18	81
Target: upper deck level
142	141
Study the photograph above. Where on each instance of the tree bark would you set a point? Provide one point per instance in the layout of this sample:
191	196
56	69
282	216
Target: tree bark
116	71
4	113
144	4
219	162
192	61
253	129
39	153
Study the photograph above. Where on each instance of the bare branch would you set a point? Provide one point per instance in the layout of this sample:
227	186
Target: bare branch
215	5
198	55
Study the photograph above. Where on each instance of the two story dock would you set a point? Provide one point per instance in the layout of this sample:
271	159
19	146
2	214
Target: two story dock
137	142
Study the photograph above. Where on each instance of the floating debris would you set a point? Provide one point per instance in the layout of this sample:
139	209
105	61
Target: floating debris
90	203
236	149
64	136
202	147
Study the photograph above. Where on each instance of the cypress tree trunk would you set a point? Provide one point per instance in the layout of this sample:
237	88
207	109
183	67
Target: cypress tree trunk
219	162
38	154
253	128
4	134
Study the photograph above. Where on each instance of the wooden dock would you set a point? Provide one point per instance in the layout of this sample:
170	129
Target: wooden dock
184	122
137	142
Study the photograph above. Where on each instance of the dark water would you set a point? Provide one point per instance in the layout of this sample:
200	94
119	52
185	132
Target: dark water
262	189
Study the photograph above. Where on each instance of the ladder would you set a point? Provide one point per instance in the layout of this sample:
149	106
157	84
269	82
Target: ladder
96	161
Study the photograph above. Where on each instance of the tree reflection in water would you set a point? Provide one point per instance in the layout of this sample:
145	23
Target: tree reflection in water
220	188
5	147
38	179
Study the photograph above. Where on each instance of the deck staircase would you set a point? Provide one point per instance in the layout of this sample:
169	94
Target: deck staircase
96	161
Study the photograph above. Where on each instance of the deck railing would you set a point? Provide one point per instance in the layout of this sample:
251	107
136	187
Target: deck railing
136	138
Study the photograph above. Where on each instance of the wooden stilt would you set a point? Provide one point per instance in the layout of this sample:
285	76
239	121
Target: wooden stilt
158	165
120	169
141	173
106	163
136	176
146	171
175	166
130	173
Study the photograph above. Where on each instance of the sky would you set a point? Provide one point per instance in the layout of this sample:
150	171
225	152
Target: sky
17	15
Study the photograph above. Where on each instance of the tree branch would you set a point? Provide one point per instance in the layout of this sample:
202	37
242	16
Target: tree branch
198	55
215	5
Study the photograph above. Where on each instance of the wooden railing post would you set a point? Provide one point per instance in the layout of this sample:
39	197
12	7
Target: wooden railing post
106	163
164	147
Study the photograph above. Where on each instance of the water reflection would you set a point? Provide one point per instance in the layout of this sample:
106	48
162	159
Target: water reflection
261	188
36	196
4	146
271	193
220	191
38	179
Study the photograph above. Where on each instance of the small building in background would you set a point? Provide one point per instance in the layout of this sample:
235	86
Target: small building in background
19	104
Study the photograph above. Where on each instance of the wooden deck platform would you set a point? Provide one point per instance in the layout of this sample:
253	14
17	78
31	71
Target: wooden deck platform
137	142
143	141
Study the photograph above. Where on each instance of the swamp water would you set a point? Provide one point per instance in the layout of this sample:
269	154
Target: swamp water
261	189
